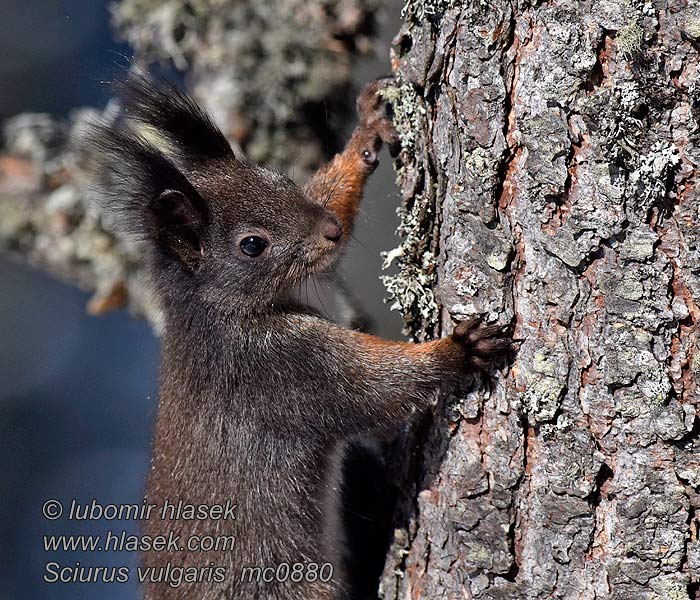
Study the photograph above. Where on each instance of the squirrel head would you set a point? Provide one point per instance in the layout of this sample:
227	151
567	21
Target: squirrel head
215	226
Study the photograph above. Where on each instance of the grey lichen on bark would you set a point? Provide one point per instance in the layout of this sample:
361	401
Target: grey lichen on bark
411	289
265	70
558	148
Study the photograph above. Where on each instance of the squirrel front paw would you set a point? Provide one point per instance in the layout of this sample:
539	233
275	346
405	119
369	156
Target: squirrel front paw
375	122
483	345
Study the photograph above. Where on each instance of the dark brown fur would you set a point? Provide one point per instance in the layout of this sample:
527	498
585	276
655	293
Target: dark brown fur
258	394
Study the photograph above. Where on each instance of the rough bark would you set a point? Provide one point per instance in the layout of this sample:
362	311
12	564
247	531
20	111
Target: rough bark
276	76
548	177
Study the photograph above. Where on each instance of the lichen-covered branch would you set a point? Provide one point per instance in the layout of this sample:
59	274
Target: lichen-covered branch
46	219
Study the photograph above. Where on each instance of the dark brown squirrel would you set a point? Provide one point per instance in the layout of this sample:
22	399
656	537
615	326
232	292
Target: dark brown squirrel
258	394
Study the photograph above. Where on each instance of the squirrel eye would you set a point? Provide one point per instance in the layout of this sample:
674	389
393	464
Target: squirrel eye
253	245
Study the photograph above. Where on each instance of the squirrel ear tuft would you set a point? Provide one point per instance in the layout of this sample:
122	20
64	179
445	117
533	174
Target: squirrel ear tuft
175	116
147	195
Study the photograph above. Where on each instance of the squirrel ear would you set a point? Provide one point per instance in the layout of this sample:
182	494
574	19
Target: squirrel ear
179	226
152	200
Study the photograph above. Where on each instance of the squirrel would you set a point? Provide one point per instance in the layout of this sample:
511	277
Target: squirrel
258	393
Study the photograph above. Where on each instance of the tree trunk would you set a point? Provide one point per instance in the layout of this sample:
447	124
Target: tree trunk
548	177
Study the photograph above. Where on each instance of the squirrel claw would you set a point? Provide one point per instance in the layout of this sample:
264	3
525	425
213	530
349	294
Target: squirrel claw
375	115
483	344
394	148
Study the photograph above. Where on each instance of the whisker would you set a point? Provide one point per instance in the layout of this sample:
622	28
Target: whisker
356	240
333	186
325	311
337	180
298	286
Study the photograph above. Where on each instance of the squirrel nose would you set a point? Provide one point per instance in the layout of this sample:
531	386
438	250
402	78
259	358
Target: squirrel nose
331	231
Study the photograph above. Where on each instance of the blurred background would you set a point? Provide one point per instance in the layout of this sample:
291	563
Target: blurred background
78	391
